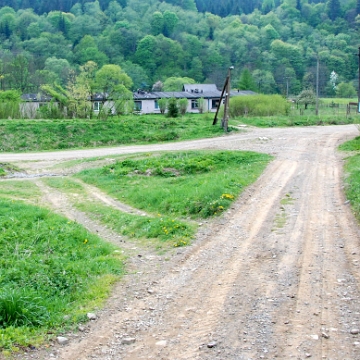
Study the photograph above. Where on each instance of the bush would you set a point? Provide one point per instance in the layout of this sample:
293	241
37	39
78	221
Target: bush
10	104
50	110
183	104
173	109
258	105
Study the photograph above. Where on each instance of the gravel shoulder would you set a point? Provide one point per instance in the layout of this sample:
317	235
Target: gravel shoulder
277	276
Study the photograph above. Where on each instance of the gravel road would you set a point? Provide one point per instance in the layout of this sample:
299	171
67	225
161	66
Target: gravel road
276	277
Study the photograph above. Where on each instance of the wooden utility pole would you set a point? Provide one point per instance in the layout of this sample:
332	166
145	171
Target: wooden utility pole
226	89
287	87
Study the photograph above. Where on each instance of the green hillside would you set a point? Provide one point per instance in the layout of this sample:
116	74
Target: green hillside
44	42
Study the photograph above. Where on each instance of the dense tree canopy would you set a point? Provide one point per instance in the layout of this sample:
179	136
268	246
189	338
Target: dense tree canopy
277	42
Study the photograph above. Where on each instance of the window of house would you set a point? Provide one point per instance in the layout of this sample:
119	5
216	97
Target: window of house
96	105
138	105
156	105
214	103
194	104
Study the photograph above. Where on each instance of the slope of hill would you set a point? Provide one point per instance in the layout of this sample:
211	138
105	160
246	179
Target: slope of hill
279	43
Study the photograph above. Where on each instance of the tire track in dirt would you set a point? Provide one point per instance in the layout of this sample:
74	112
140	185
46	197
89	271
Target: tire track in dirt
59	202
94	192
314	321
222	253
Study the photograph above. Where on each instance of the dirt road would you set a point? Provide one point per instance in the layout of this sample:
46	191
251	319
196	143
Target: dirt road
277	277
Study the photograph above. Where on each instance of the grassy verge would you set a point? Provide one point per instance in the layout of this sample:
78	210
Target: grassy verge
352	183
52	273
296	120
352	171
351	145
37	135
187	184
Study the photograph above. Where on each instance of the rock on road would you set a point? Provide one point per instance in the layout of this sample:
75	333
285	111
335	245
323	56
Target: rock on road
277	277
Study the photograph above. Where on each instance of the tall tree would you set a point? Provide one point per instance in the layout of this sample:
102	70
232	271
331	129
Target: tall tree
333	9
247	82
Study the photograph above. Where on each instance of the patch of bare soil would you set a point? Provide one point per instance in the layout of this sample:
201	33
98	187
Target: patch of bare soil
250	286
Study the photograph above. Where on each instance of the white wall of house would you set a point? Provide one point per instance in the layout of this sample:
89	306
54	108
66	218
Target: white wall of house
29	109
150	106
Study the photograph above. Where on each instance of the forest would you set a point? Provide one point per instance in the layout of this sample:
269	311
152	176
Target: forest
275	46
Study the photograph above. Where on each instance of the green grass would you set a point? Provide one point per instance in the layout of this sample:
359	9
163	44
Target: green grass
19	190
351	145
159	231
187	184
352	183
308	119
37	135
162	231
50	267
45	135
341	101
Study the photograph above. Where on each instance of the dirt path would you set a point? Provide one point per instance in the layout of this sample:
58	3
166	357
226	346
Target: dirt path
277	277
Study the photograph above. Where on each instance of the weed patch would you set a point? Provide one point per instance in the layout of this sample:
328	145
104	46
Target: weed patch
51	267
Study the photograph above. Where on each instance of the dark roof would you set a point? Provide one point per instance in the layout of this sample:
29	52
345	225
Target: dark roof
35	97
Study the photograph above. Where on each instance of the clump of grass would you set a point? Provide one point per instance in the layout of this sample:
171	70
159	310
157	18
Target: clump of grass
19	307
7	168
50	267
180	184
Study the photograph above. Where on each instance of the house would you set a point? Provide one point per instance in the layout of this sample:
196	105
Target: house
147	102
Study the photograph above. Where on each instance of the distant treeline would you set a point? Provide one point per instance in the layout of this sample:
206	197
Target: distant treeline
277	42
45	6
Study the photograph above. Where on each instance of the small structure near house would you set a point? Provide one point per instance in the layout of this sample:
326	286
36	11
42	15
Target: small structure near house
31	103
352	105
